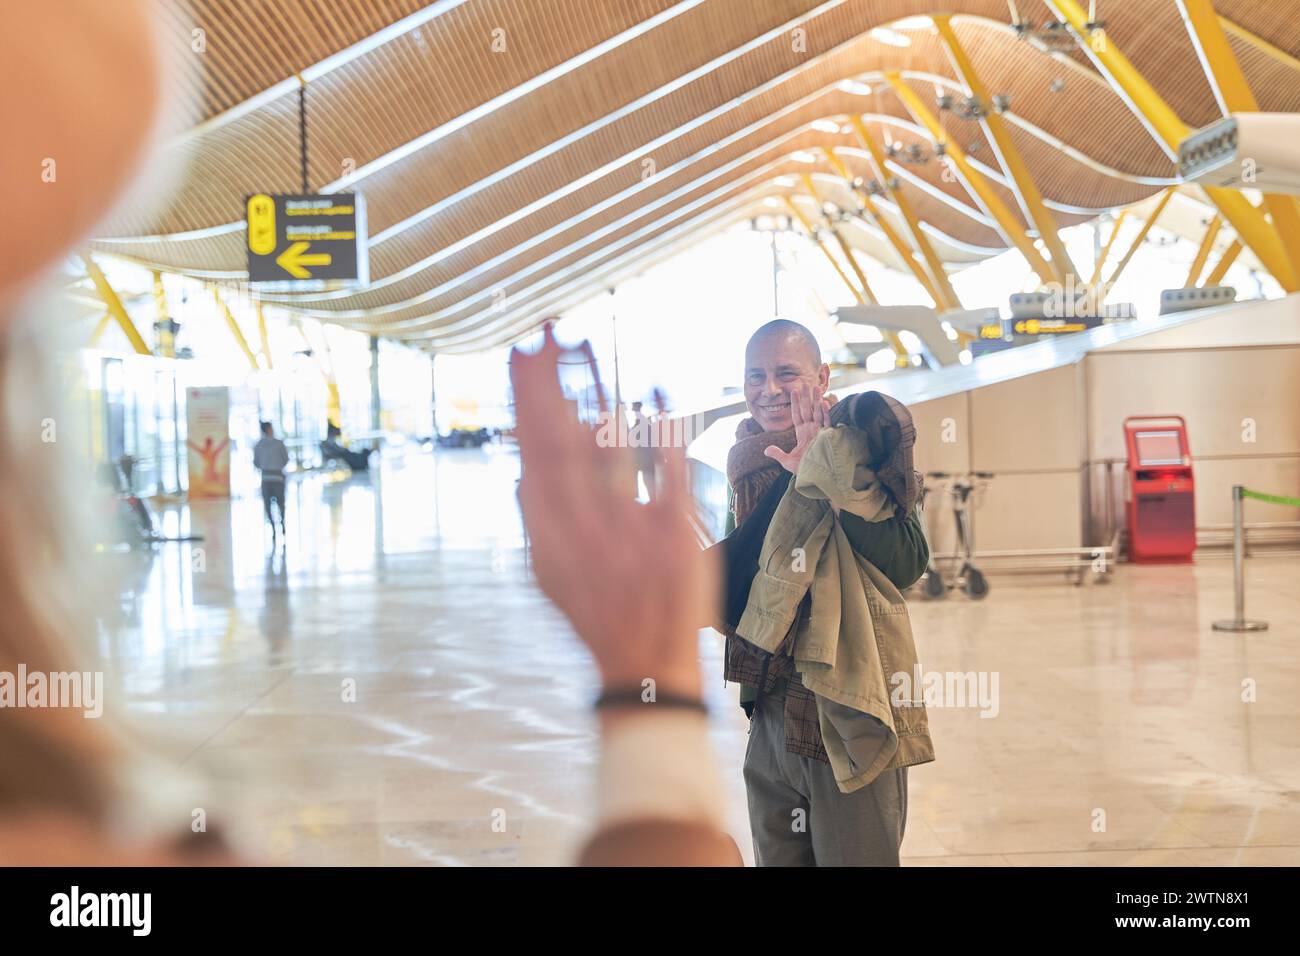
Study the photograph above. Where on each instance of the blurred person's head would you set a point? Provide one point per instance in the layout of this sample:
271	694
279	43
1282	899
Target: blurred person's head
267	430
80	97
80	93
781	356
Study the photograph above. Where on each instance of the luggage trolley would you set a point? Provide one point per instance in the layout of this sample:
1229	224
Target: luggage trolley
968	577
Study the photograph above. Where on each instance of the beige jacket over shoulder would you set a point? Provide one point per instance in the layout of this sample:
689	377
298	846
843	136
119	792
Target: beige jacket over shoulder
857	634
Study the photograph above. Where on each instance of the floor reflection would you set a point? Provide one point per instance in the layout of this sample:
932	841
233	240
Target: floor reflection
385	685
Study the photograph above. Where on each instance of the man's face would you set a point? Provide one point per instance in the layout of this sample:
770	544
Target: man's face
774	365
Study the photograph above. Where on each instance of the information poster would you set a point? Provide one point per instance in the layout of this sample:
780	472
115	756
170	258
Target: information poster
207	416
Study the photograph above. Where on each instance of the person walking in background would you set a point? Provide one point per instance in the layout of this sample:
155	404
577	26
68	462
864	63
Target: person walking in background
642	441
270	458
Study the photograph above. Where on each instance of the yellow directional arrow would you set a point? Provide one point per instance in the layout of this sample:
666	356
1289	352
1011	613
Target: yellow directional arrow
293	259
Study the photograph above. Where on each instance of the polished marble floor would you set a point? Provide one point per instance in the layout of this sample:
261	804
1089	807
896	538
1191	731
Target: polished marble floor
388	688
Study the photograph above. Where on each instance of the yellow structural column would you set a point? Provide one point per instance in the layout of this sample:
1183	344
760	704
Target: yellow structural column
1235	96
981	189
114	305
166	339
1137	244
100	328
867	206
262	334
946	295
235	330
839	239
1227	259
1252	226
1022	182
1203	252
1105	250
333	405
863	295
853	262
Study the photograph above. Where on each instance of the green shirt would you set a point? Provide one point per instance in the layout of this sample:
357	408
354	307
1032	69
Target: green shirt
896	545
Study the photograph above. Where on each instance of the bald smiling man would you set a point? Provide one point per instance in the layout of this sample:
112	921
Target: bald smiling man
799	815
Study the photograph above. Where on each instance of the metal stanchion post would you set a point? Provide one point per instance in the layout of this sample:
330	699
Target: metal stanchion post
1239	622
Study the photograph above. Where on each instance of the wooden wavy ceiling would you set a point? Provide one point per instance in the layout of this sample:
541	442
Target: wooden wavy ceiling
486	174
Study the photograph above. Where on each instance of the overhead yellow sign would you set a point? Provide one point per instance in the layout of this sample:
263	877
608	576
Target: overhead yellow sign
1050	326
306	241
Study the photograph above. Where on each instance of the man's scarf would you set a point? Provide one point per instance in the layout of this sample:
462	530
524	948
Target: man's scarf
890	437
749	471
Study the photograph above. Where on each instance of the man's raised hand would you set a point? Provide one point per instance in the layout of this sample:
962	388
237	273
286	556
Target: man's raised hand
811	413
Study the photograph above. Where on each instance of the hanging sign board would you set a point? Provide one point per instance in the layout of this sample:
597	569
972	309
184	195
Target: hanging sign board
306	242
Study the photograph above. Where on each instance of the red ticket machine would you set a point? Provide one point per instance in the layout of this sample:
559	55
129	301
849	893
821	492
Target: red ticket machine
1161	508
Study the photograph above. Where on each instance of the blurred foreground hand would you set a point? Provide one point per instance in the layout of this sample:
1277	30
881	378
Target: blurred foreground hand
630	577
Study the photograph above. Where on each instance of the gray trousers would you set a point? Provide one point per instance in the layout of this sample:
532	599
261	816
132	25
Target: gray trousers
799	817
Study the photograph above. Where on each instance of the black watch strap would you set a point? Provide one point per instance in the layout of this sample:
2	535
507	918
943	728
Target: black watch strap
633	697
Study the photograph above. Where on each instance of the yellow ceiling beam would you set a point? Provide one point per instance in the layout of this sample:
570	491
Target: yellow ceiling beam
1217	59
1203	252
943	290
866	205
114	305
1259	43
981	189
1026	190
1234	94
1252	226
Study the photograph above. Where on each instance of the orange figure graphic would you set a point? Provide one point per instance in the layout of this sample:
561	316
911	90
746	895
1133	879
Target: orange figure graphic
209	454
